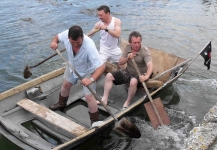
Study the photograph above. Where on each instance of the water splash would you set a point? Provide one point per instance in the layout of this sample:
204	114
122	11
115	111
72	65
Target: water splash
172	136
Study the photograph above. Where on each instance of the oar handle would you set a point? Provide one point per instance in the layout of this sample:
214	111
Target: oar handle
46	59
147	92
90	89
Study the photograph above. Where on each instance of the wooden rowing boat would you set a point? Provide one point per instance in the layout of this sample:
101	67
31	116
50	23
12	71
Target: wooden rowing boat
24	109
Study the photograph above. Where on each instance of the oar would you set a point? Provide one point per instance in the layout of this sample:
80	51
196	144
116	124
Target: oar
27	70
150	110
125	125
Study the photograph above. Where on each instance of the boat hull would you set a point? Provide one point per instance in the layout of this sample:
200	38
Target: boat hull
44	91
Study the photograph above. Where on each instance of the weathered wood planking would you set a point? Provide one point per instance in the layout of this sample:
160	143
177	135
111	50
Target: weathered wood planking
52	117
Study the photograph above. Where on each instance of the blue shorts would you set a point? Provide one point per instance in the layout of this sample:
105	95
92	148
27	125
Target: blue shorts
70	78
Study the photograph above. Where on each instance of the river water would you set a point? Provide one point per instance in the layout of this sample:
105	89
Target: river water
179	27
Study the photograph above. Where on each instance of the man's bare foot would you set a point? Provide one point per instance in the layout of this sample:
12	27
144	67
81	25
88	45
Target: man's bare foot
105	102
98	103
126	104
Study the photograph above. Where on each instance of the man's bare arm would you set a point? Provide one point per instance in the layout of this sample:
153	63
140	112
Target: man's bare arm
150	69
124	60
145	77
117	31
54	42
95	29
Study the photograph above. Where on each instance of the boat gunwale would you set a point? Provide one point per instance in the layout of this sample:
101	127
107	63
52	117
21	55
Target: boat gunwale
78	140
31	83
110	120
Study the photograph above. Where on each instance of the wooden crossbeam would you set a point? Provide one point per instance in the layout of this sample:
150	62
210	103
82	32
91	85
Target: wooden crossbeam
52	117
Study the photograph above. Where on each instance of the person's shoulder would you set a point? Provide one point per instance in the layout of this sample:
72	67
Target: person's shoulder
143	47
87	39
88	42
97	25
128	48
63	36
117	20
64	32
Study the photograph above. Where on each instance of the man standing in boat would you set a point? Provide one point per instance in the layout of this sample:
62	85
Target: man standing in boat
85	59
142	56
110	31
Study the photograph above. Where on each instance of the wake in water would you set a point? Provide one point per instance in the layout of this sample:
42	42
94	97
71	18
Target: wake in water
165	137
203	82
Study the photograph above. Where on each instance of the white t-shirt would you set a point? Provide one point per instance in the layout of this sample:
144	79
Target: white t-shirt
86	60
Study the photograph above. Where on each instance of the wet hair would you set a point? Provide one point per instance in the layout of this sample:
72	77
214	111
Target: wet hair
75	32
105	8
135	34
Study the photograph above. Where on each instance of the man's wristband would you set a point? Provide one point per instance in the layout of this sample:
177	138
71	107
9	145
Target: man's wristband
106	30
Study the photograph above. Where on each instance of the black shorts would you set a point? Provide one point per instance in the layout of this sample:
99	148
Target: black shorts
122	76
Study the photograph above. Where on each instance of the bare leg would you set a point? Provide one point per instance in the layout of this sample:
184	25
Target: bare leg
131	91
107	87
92	105
65	90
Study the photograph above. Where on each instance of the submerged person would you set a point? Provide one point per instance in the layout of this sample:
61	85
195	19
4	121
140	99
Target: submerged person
142	56
110	31
85	59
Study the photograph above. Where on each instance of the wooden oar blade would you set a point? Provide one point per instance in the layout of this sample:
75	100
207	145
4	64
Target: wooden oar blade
126	127
152	115
27	72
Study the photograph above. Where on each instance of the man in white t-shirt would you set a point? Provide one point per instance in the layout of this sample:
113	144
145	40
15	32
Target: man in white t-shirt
85	59
110	31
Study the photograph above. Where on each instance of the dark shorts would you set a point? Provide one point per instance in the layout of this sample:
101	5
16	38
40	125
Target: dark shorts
122	76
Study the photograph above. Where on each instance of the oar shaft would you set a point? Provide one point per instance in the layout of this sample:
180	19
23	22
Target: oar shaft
147	92
91	90
173	68
55	54
46	59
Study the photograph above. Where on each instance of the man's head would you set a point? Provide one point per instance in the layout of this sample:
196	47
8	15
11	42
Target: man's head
103	13
135	40
75	36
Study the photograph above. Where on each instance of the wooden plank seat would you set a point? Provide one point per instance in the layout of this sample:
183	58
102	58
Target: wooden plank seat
52	117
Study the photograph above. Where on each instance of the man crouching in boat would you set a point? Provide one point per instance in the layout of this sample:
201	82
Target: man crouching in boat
85	59
143	59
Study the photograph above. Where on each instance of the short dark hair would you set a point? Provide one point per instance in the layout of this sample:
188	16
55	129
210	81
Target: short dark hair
135	34
105	8
75	32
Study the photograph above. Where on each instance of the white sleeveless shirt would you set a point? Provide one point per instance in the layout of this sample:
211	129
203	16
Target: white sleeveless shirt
106	40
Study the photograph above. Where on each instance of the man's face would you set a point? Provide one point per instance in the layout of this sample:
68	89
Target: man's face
135	43
76	43
102	15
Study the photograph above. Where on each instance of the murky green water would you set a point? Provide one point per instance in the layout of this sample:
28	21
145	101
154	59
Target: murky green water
179	27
